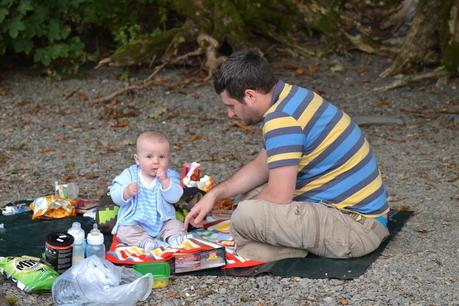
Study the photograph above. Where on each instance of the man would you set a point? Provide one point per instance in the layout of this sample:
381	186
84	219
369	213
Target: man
318	187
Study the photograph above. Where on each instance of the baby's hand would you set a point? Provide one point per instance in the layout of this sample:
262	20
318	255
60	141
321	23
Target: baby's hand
131	190
161	174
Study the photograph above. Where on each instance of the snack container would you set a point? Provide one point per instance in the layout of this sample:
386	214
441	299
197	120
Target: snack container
161	272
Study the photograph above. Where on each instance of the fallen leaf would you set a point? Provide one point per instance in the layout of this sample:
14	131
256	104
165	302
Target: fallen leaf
19	147
343	301
33	110
124	115
157	113
82	96
11	299
409	70
454	101
193	137
22	102
119	124
111	148
128	142
402	208
193	95
46	150
292	67
382	102
70	165
360	70
338	67
91	176
422	231
172	293
67	178
313	69
2	92
242	126
177	145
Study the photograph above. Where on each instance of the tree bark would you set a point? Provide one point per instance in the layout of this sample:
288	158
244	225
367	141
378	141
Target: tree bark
431	35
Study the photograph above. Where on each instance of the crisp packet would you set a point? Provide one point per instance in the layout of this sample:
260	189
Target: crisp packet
28	273
191	177
53	207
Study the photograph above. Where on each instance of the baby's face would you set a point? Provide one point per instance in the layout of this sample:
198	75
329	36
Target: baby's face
151	156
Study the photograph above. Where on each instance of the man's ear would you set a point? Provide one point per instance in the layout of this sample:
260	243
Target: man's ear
250	96
136	158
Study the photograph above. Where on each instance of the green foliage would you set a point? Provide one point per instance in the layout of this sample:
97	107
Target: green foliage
42	29
61	32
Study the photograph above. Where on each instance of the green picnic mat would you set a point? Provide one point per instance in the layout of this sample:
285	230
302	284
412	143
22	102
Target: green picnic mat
23	236
317	267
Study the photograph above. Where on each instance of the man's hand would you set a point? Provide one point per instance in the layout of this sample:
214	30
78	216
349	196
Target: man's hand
199	212
161	174
131	190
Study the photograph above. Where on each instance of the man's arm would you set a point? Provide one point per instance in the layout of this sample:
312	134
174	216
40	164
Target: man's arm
247	178
281	185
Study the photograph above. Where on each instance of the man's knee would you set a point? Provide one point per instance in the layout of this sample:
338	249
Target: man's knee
244	214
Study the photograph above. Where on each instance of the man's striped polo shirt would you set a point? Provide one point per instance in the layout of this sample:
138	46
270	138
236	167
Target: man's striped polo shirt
335	163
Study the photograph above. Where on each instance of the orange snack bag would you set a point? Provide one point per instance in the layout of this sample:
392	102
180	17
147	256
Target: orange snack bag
53	207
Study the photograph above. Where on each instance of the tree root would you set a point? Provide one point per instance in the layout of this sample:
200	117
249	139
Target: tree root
211	64
438	73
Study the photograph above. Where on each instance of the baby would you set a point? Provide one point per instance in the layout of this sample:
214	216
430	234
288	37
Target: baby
145	193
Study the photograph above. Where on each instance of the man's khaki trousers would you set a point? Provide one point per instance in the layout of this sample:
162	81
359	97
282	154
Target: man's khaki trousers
266	231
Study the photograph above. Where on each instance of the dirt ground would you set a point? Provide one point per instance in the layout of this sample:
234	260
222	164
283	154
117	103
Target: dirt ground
56	131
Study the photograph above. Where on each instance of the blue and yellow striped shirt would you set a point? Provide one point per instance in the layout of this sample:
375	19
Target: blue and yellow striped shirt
335	163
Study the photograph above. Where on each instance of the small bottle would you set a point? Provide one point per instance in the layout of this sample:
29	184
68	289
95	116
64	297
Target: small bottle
95	242
14	209
78	243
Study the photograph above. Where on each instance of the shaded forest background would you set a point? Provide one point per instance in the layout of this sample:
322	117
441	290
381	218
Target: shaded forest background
420	36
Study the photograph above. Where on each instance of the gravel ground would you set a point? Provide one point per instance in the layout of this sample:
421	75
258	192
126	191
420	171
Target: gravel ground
53	130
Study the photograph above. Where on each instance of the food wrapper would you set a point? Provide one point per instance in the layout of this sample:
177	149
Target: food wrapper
223	209
28	273
191	177
53	207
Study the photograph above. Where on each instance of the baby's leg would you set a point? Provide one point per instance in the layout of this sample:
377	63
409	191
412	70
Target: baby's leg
135	235
173	233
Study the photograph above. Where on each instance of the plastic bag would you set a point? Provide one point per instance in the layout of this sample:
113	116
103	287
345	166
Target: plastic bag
191	177
96	281
28	273
53	207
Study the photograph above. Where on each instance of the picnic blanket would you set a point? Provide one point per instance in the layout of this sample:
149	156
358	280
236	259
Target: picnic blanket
215	235
311	266
23	236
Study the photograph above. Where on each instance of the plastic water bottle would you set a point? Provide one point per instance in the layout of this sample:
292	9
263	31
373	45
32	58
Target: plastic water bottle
78	244
16	208
95	242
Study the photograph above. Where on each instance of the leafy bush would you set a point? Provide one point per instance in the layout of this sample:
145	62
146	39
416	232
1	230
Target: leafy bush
50	31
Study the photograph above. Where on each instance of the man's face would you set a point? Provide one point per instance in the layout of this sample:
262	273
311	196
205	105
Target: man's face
243	111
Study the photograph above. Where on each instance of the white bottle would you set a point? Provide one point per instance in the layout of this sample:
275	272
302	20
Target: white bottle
78	243
95	242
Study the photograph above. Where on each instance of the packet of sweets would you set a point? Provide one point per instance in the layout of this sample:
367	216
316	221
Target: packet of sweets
53	207
28	273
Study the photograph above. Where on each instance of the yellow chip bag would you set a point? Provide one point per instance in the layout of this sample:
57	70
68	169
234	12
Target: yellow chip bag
53	207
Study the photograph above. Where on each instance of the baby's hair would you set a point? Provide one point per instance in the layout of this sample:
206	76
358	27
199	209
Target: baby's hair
152	136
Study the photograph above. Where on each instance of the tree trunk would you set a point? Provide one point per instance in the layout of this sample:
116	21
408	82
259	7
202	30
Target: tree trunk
431	35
